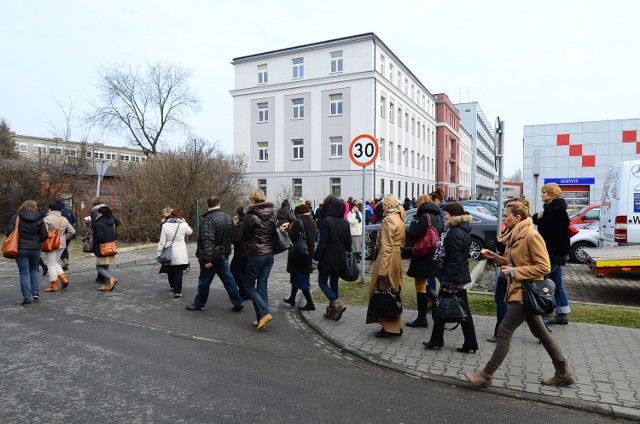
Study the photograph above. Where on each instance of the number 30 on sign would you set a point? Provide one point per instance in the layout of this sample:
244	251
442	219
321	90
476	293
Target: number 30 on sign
363	150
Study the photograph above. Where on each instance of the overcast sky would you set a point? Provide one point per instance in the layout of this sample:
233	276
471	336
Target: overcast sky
528	62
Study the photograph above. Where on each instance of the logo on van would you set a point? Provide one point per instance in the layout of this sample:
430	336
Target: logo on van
635	171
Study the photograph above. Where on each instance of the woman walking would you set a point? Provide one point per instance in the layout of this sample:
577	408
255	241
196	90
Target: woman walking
173	234
32	231
453	254
300	268
525	259
331	254
54	219
354	217
104	231
239	261
388	263
422	268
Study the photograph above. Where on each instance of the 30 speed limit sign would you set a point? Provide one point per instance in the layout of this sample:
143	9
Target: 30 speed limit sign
363	150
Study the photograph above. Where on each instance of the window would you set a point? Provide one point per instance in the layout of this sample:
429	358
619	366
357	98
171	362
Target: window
39	148
262	185
88	154
406	122
390	187
399	186
399	80
263	112
382	185
55	150
298	108
399	118
405	155
383	107
111	155
263	74
399	157
296	185
263	150
336	104
99	155
424	132
335	185
390	79
412	91
381	64
124	158
382	147
391	112
21	147
336	61
413	126
336	147
390	152
298	149
70	152
418	130
298	67
406	87
413	159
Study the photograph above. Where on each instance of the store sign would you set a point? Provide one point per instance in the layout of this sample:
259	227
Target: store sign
570	181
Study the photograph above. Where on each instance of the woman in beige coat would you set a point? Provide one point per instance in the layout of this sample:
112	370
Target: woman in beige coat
54	219
388	263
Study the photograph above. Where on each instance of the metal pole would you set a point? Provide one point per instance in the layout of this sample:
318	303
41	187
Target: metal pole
364	253
500	131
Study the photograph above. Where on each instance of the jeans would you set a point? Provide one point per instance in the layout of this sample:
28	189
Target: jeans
205	279
501	305
255	282
27	261
103	273
330	292
562	302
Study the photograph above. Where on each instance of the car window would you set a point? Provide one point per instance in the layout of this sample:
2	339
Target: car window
576	213
592	214
410	216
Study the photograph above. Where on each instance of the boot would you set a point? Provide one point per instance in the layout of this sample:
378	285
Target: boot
309	306
563	376
112	283
53	288
421	321
330	312
292	297
339	308
562	319
63	279
65	264
104	287
481	378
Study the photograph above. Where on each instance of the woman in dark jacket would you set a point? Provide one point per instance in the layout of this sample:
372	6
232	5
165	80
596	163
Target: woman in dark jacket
299	268
285	215
331	253
423	268
453	253
105	232
32	231
239	261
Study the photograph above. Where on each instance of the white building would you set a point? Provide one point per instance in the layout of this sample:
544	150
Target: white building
465	164
483	148
297	109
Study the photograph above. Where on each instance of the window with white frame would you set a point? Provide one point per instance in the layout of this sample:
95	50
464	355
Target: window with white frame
405	155
399	157
298	67
124	158
336	186
383	107
262	185
21	147
424	132
70	152
418	130
111	155
263	74
336	104
412	92
382	148
55	150
391	112
88	154
40	148
399	117
98	155
336	61
135	158
298	148
413	159
381	64
399	78
406	122
263	151
296	185
390	74
391	151
298	108
263	112
390	186
335	144
406	86
143	159
413	126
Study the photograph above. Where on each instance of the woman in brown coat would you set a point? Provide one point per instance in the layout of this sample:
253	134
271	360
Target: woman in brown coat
525	259
388	265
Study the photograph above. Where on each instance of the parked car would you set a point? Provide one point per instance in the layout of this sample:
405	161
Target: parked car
483	234
585	216
488	205
587	237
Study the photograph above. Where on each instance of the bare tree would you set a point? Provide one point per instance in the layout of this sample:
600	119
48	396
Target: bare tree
516	177
144	104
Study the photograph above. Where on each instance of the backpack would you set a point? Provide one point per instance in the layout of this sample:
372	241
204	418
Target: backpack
427	244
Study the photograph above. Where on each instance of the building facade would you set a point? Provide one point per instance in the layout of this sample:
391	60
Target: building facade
447	146
464	177
482	146
297	109
576	156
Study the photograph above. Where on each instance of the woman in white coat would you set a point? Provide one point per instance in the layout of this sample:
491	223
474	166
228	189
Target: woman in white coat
173	233
355	224
54	219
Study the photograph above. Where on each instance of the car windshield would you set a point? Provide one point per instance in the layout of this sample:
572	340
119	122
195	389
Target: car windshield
576	213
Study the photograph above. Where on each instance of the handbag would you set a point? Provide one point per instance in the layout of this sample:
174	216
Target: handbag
109	248
351	272
300	248
538	296
281	240
385	304
427	244
572	230
449	308
53	241
10	245
166	253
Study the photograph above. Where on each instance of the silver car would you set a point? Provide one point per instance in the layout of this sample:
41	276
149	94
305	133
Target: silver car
586	237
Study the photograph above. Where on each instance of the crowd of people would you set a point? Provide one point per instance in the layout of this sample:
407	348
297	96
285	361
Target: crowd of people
331	233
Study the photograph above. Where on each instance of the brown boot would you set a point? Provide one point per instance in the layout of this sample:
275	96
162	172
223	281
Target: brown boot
338	308
330	312
104	287
563	376
63	280
53	287
112	283
481	378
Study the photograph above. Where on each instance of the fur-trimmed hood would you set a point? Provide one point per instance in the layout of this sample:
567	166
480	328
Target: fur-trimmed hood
461	221
262	210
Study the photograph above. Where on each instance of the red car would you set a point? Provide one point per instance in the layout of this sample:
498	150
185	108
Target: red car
585	216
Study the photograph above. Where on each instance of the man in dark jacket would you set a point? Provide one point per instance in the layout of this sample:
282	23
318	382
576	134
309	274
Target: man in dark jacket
214	247
553	226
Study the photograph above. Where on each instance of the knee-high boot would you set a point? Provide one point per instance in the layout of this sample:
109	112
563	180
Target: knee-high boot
292	297
421	320
309	305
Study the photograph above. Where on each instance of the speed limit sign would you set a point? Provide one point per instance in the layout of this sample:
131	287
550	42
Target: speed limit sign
363	150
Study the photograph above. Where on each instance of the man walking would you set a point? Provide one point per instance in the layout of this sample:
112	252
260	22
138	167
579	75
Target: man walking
214	247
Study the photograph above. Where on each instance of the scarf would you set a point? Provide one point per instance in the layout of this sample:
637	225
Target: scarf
440	254
174	220
512	236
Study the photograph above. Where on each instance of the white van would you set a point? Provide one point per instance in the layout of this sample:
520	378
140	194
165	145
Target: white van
620	210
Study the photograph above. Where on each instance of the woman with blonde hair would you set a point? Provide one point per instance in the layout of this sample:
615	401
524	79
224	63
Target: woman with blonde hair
388	263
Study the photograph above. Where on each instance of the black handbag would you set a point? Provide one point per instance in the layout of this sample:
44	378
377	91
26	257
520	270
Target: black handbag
281	240
538	296
351	272
385	303
449	308
300	248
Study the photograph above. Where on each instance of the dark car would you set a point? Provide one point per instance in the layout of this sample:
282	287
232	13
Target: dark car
483	234
487	205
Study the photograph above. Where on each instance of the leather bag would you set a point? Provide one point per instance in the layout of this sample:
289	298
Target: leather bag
281	240
427	244
109	248
53	241
166	254
300	248
10	245
351	272
538	296
385	303
449	308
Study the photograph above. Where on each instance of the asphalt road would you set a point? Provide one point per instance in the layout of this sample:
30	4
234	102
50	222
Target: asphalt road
136	355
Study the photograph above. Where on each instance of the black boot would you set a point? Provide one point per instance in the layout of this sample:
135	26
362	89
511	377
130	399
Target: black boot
309	306
45	269
292	298
421	321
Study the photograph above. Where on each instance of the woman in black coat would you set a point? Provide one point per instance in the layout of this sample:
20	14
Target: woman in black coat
104	231
423	268
331	253
299	268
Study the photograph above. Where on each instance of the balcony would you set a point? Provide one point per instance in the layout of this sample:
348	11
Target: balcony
452	157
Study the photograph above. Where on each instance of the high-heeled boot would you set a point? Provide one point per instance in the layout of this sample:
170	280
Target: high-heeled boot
292	297
421	320
309	306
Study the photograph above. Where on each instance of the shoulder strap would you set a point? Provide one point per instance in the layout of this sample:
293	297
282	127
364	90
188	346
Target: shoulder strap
301	227
17	220
175	234
428	219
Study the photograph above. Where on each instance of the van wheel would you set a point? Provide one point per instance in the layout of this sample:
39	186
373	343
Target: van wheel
577	253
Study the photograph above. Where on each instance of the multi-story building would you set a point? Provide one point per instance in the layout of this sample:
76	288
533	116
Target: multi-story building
482	146
447	146
464	178
576	156
297	109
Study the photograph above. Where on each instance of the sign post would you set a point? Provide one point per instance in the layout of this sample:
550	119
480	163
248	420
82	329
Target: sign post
363	151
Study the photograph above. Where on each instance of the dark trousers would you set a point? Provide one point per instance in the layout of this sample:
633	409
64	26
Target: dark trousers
174	274
468	328
238	268
65	252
